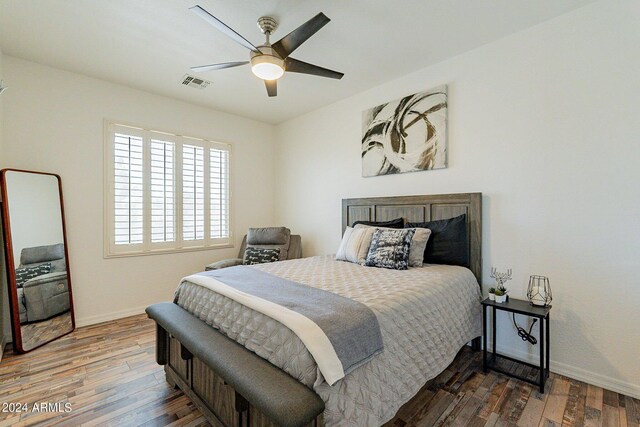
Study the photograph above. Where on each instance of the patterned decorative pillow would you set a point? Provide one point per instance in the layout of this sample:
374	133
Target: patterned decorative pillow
253	255
24	274
418	244
390	249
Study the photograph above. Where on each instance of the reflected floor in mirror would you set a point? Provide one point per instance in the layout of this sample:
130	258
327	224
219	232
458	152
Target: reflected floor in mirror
34	334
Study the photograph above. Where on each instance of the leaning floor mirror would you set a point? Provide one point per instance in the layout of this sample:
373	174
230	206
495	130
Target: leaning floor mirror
36	258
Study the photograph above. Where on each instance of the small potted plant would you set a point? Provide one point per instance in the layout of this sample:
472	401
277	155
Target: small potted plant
501	295
501	279
492	294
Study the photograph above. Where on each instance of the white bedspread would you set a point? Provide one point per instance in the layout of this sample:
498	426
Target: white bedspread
426	315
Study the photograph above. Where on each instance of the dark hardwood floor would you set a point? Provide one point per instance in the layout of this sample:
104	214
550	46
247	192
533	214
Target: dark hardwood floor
108	376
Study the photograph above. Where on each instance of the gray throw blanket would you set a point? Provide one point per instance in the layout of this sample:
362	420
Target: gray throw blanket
351	327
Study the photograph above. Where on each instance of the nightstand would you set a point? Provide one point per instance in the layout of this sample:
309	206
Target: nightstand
489	360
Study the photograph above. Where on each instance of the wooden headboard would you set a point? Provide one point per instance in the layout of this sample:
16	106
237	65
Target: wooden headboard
420	209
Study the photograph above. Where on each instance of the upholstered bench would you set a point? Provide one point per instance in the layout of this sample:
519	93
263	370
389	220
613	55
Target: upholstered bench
261	389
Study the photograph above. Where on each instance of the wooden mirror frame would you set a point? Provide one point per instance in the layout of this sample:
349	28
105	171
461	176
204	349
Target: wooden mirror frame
10	262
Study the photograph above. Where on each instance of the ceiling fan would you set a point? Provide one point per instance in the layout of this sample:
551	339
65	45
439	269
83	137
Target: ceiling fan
270	61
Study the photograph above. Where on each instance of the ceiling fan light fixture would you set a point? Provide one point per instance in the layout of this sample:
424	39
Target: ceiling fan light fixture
267	67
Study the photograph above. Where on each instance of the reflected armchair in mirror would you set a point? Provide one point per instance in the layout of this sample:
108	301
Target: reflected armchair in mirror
42	280
36	258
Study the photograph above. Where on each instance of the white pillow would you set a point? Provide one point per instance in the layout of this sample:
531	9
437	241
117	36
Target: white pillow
355	245
418	243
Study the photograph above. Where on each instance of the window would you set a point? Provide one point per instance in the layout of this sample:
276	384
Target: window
165	192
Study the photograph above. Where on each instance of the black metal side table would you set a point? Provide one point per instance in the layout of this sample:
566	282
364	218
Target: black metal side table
489	361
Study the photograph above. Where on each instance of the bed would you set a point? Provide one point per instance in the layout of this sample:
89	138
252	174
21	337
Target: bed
425	315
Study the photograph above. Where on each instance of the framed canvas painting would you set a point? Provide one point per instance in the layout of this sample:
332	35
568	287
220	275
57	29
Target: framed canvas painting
406	135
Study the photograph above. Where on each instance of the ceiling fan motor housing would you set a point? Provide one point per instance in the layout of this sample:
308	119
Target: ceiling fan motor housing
267	64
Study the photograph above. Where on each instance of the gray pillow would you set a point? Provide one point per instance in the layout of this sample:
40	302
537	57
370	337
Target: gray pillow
418	245
390	249
260	256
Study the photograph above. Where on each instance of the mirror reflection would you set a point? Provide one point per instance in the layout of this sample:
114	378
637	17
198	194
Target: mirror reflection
35	247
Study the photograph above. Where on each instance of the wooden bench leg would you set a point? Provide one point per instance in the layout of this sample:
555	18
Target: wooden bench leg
169	377
185	354
242	406
475	344
162	345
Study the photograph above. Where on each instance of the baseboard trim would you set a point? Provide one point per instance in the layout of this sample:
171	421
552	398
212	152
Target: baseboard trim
101	318
579	374
603	381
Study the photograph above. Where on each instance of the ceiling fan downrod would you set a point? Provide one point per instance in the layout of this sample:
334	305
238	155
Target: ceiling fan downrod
267	25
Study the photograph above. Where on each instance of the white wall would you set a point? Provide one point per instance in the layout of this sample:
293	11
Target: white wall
34	211
53	122
545	124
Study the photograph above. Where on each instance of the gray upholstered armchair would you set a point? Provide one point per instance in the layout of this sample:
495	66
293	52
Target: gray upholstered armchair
289	245
46	295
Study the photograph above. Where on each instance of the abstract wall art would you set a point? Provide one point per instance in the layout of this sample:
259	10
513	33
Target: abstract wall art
406	135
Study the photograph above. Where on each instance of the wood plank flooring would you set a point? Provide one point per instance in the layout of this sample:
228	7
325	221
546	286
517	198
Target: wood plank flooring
108	375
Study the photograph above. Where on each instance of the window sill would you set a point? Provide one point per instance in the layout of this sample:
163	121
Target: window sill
166	251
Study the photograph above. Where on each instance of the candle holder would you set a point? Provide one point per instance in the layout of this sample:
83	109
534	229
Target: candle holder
539	291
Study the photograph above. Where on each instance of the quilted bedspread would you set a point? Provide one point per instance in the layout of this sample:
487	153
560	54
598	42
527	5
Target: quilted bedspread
426	315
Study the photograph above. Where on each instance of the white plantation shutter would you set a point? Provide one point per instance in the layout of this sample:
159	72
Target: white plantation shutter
165	192
128	189
162	191
219	192
192	192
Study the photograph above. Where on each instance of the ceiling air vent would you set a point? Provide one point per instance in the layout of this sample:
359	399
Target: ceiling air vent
193	81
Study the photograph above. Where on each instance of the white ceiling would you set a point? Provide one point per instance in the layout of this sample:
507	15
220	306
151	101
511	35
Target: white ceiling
150	44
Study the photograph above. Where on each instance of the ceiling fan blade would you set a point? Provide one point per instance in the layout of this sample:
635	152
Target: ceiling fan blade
272	87
295	66
222	66
286	45
221	26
